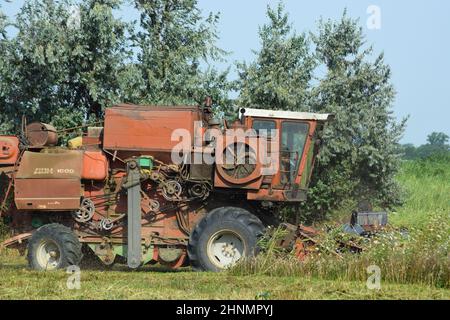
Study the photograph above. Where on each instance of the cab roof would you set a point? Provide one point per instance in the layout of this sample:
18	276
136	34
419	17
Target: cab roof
281	114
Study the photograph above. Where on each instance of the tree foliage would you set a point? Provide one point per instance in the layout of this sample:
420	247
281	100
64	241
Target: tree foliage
3	23
70	60
437	145
362	141
62	71
5	119
177	46
280	75
438	139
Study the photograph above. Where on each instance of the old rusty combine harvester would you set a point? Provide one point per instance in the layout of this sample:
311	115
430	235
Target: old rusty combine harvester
156	184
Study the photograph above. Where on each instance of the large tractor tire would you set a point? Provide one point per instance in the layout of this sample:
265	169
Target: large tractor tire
223	237
53	246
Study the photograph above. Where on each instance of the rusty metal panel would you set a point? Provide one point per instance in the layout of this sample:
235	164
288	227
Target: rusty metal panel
266	195
147	128
95	165
62	165
41	134
47	194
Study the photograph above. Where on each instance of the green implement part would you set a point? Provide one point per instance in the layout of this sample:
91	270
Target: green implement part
146	162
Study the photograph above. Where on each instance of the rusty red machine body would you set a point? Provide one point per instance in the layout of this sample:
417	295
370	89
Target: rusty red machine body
139	186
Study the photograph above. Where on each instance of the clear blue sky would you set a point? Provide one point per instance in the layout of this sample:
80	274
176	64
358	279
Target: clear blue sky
414	35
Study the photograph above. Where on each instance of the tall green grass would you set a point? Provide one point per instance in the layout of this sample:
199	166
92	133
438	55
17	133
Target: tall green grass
414	250
427	186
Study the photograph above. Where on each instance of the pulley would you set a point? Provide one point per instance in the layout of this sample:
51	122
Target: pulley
86	211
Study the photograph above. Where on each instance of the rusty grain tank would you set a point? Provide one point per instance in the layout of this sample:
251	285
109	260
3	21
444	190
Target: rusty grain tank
156	184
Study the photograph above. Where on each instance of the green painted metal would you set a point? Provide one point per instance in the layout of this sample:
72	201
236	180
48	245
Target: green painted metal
146	162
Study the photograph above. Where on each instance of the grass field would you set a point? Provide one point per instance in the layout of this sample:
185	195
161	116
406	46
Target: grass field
428	187
17	282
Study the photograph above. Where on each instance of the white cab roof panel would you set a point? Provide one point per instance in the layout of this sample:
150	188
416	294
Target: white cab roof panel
263	113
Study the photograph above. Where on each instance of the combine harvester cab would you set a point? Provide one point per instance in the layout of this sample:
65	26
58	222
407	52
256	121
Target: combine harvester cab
157	184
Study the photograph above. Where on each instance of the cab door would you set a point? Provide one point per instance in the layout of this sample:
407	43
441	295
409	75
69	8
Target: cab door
293	139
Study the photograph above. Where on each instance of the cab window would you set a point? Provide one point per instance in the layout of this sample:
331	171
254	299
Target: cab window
264	127
293	138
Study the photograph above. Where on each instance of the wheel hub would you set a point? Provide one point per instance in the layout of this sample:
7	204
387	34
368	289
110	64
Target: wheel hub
228	250
225	248
48	255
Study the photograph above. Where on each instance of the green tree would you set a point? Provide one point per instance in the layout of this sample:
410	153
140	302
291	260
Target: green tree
360	155
63	67
409	151
5	121
438	139
176	46
437	146
3	23
279	77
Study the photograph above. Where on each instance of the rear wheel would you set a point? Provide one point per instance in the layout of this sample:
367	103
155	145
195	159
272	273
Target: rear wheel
224	237
53	246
